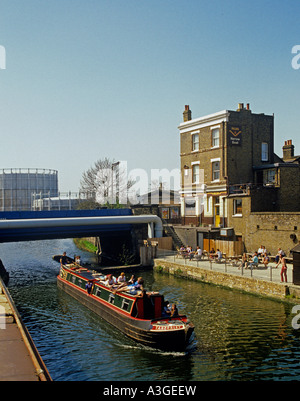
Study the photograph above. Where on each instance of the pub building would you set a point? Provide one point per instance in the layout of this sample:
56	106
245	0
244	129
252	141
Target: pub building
230	174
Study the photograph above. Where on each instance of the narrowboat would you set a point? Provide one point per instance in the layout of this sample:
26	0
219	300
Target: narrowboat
138	316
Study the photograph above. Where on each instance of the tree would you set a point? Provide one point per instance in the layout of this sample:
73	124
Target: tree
108	182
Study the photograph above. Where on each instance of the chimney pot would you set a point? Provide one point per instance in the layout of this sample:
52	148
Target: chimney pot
288	150
187	114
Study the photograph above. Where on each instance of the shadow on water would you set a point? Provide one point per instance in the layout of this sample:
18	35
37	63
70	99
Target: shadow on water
237	336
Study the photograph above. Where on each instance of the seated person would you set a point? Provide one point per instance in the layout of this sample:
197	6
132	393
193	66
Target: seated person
132	288
212	253
77	260
121	278
174	311
260	250
110	280
254	262
166	310
266	260
219	255
198	253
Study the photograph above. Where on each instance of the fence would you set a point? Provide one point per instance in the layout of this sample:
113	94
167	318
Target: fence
227	265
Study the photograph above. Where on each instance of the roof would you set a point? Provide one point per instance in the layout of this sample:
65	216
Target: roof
296	249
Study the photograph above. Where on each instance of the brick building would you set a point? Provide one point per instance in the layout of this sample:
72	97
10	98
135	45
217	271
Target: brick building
231	176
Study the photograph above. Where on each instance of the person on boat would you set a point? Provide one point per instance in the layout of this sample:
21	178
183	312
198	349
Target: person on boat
134	288
174	311
132	279
77	260
89	287
137	286
166	309
121	279
109	280
64	259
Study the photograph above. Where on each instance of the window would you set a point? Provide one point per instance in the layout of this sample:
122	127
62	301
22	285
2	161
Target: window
237	207
195	142
125	304
264	152
271	175
215	136
190	207
196	177
215	170
111	298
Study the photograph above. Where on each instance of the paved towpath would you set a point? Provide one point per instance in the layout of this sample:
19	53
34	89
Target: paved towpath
16	357
271	273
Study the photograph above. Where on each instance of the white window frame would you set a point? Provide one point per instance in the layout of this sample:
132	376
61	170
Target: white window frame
264	152
195	141
213	161
215	140
195	175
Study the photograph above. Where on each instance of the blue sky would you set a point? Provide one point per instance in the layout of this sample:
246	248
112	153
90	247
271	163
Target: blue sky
89	79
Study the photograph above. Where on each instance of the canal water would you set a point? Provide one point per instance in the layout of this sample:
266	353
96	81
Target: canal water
237	336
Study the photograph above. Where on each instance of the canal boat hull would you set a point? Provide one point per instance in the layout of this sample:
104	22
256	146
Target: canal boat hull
156	332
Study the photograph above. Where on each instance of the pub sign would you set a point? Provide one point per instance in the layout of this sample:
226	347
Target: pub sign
234	135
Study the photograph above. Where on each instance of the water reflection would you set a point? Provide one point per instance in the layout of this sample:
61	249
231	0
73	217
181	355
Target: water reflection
237	336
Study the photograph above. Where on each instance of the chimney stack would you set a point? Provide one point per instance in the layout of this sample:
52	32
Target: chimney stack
288	150
187	114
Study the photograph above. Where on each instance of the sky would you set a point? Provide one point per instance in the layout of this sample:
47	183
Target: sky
89	79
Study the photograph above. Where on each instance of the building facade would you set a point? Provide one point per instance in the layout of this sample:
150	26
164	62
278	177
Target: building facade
230	171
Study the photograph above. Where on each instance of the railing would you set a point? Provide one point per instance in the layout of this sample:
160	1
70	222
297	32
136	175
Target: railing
231	265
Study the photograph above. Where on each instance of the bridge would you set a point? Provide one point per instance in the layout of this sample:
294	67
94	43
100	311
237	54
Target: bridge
38	225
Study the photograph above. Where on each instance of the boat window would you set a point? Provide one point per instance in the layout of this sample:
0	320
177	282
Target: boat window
98	292
73	279
111	298
125	304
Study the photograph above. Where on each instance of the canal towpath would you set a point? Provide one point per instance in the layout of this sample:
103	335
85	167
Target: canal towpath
20	360
260	280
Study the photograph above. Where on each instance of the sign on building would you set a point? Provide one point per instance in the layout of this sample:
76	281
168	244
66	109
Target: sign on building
234	136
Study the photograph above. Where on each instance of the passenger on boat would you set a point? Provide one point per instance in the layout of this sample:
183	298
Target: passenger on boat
132	279
121	278
77	260
134	288
166	309
64	259
89	286
109	280
174	311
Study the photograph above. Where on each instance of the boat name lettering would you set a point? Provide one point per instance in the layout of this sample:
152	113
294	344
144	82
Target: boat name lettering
168	327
